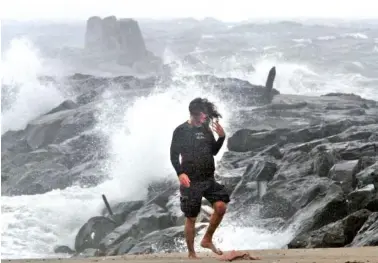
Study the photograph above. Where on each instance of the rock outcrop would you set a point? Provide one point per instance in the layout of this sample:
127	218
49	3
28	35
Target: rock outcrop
121	40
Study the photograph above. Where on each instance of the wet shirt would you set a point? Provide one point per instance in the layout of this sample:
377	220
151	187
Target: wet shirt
197	147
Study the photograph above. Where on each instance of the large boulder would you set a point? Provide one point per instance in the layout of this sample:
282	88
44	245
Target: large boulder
368	233
337	234
92	232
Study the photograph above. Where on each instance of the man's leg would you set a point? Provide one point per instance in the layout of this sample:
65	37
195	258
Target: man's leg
190	202
218	196
215	220
190	232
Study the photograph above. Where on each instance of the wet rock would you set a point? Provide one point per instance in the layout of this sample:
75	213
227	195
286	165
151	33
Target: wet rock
368	176
87	253
64	250
345	174
327	205
121	211
323	163
368	234
246	191
337	234
284	198
362	198
65	105
147	219
92	232
169	240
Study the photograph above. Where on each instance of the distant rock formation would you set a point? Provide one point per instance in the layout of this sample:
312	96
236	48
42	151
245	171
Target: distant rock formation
123	37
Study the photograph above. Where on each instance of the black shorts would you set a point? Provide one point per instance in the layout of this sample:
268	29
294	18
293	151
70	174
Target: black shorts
191	197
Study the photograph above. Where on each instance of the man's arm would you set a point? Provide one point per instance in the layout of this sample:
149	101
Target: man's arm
175	151
217	144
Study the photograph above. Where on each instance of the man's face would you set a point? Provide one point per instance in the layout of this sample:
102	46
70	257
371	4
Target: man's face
201	118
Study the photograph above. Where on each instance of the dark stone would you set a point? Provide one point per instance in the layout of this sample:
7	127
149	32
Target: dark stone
65	105
147	219
337	234
92	232
169	240
345	174
328	205
246	191
121	211
368	234
362	198
64	250
368	176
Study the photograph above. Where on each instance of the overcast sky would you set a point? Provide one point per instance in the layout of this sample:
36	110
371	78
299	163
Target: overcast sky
227	10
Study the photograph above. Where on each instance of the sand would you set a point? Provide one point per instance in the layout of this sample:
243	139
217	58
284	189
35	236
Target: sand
324	255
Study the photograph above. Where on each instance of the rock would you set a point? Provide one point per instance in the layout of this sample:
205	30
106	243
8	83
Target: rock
64	250
147	219
94	33
169	240
362	198
345	174
65	105
123	37
368	234
87	253
92	232
121	211
246	191
247	140
323	163
336	234
284	198
326	205
368	176
269	84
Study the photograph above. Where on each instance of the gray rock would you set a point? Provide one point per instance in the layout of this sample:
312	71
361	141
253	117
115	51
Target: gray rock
169	240
362	198
368	234
368	176
143	221
345	174
327	206
337	234
65	105
92	232
64	250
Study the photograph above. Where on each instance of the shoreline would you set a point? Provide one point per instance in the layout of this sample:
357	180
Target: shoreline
317	255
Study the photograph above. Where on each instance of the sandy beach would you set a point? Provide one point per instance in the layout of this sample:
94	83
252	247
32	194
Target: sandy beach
328	255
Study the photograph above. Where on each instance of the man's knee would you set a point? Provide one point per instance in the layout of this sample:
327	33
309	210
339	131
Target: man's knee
220	207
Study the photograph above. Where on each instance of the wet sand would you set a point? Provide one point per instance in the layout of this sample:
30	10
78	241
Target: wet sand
323	255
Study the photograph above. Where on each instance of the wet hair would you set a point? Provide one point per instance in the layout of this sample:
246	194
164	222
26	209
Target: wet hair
199	105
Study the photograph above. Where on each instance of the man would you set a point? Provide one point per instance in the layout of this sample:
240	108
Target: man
195	142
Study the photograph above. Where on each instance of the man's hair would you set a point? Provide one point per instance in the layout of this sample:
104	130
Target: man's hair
199	105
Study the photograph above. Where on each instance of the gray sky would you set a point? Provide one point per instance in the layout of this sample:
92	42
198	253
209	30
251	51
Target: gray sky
227	10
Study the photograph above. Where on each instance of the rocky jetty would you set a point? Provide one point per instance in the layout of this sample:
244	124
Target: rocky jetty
317	156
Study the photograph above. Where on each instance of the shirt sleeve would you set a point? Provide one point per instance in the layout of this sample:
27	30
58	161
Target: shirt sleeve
216	144
175	151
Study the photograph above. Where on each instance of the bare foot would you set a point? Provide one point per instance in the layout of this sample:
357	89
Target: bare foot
210	245
193	255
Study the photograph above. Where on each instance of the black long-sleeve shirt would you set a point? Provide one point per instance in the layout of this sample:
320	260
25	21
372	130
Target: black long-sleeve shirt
197	147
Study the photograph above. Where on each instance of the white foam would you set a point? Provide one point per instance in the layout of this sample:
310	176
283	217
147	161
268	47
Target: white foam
20	68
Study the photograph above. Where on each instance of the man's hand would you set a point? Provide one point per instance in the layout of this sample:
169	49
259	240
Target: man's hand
184	180
218	129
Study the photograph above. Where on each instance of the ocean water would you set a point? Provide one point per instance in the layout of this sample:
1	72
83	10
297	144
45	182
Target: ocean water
311	59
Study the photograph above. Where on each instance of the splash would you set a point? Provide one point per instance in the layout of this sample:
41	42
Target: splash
25	98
